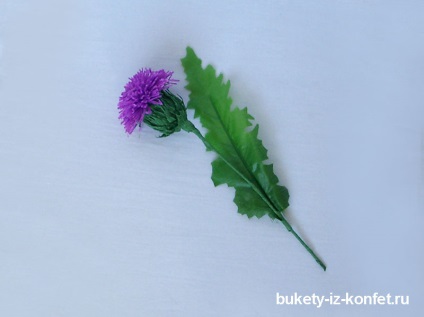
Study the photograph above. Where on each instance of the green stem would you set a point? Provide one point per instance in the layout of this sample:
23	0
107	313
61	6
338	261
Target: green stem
290	229
189	127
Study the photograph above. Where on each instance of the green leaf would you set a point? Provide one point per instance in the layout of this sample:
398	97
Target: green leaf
240	163
241	155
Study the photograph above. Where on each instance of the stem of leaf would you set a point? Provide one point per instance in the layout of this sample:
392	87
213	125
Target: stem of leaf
189	127
290	229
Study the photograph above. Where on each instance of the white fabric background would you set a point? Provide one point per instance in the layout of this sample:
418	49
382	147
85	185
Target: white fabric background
96	223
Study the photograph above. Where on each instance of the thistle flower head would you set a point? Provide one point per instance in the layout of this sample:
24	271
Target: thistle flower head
142	91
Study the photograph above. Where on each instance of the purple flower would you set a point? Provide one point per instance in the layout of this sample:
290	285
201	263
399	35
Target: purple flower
144	89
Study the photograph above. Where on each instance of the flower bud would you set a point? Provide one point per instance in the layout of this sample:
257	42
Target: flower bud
169	117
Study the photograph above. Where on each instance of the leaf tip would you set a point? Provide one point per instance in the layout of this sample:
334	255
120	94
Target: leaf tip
190	57
190	51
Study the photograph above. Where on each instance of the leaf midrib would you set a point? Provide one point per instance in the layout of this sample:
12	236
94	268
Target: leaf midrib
245	165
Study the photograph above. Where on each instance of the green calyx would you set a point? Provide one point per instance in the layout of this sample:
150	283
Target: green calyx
169	117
